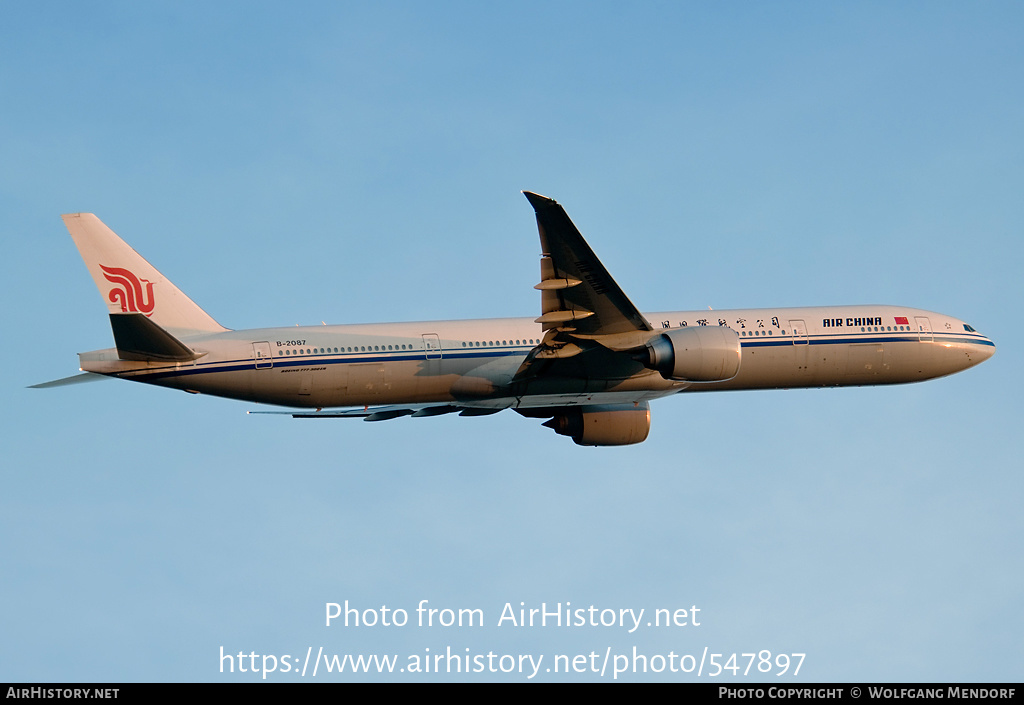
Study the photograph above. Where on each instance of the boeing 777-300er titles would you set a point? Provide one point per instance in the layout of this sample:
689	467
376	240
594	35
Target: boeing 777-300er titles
590	363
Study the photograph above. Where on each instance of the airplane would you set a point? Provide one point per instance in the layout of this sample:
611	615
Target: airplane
589	364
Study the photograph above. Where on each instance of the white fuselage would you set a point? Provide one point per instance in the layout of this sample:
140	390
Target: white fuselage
473	361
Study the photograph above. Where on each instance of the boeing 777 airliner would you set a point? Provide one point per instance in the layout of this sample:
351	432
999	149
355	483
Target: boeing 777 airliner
590	363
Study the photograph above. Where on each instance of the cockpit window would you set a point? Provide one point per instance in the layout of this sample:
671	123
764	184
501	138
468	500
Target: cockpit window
969	329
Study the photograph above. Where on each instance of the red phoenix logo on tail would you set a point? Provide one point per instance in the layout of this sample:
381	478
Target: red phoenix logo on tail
131	297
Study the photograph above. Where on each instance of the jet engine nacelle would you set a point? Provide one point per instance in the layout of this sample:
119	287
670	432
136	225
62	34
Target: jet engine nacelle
604	425
694	353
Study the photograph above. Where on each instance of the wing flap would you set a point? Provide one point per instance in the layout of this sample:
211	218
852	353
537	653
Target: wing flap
373	413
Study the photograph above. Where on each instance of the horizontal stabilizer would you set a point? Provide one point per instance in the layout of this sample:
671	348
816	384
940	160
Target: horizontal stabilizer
138	338
65	381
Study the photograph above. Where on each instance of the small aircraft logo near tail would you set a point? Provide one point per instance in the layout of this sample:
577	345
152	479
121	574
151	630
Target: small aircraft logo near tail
128	291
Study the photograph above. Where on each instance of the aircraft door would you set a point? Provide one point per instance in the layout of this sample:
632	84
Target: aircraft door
261	355
800	342
432	346
799	332
924	328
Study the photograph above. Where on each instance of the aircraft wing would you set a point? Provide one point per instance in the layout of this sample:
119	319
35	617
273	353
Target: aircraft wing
583	310
576	290
385	413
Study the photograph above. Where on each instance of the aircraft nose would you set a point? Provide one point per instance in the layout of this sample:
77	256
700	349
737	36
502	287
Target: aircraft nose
985	350
980	350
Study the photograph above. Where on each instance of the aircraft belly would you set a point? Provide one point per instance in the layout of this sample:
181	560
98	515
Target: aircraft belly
233	384
320	384
367	383
644	382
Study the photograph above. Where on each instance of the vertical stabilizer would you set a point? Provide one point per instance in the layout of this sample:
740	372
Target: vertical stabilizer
130	284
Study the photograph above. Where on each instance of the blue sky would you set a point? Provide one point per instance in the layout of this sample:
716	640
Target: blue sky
363	162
